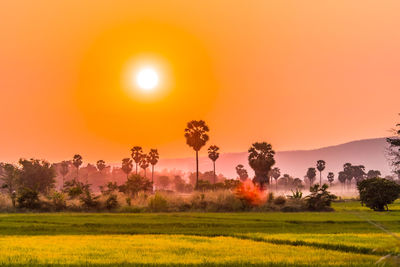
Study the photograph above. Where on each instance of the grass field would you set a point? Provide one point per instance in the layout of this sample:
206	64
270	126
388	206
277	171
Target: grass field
340	238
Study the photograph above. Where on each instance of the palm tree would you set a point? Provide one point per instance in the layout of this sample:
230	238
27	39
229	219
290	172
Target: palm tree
242	172
311	174
261	159
213	154
101	165
320	168
64	171
144	163
153	159
127	166
342	177
331	177
196	137
77	161
276	173
137	155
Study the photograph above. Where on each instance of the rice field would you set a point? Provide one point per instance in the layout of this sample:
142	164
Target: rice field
341	238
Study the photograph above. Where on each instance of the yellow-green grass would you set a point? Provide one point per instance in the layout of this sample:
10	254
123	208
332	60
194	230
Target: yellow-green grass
164	250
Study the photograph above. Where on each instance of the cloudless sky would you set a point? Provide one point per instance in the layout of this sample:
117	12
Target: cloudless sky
298	74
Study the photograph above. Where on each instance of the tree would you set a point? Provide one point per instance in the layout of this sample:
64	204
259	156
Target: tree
9	176
144	163
137	155
342	177
373	174
196	137
261	159
127	166
275	174
153	159
77	162
320	198
331	177
64	169
135	184
377	193
311	174
242	172
320	168
213	154
394	150
37	175
164	181
101	165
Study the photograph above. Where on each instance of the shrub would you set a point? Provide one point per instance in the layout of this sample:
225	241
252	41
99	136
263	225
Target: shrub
89	200
296	194
158	203
111	202
128	201
280	200
320	199
58	201
28	199
377	193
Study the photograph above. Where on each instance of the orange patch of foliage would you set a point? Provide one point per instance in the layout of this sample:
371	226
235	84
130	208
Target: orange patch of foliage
250	193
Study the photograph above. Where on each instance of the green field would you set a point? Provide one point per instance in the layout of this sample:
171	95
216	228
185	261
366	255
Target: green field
340	238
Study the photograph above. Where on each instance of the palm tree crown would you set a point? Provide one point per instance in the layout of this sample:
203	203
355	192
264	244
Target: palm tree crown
136	153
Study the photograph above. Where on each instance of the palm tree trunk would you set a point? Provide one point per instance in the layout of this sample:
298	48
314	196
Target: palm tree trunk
152	173
136	168
320	178
276	185
214	171
145	173
197	170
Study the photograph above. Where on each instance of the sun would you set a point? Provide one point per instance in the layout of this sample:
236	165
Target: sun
147	78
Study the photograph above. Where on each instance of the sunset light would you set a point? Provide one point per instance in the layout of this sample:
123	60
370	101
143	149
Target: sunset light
147	79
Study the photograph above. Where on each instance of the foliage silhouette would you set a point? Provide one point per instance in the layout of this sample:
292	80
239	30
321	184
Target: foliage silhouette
261	159
213	154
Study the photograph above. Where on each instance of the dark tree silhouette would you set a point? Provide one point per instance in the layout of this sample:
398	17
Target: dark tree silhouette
354	171
242	172
64	169
394	150
196	137
127	166
342	177
320	168
37	175
101	165
261	159
331	177
153	160
9	177
136	153
275	173
144	163
77	162
213	154
373	174
311	174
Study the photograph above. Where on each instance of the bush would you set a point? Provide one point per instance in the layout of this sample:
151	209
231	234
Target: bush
28	199
377	193
58	201
111	202
158	203
320	199
89	200
280	200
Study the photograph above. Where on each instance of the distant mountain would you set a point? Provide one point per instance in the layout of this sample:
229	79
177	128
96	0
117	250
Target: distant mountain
369	152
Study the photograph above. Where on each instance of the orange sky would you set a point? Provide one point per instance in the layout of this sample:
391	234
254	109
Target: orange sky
298	74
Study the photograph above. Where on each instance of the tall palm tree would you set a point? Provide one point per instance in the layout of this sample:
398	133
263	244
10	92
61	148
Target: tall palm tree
153	160
77	161
144	163
331	177
137	152
276	173
127	166
196	137
320	168
64	170
213	154
261	159
311	174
